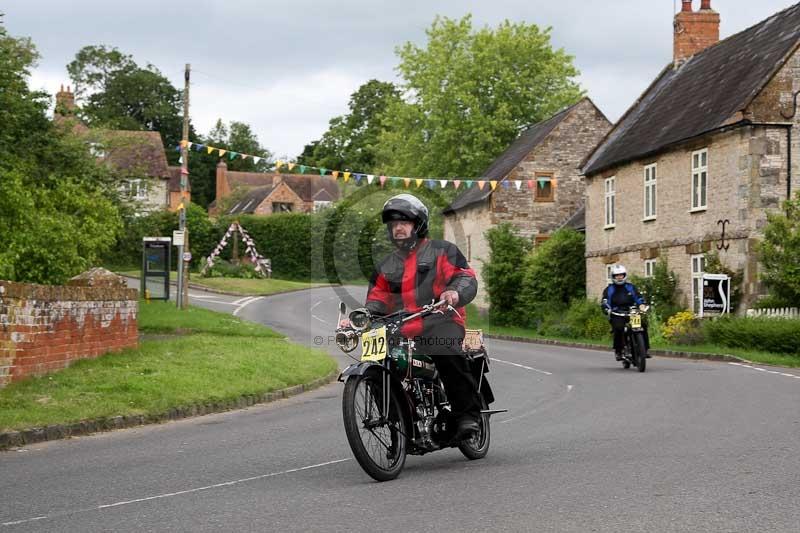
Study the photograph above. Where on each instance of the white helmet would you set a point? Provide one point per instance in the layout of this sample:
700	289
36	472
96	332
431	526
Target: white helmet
616	270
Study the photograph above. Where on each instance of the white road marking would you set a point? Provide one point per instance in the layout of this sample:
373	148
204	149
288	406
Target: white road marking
318	318
751	367
315	305
569	388
242	300
522	366
245	304
171	494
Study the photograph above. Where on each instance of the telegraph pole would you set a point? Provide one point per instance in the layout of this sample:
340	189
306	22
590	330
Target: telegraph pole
182	298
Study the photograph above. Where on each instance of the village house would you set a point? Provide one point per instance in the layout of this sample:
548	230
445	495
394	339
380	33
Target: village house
540	187
264	193
695	165
137	159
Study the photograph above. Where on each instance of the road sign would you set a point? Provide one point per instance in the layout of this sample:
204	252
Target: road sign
187	256
177	237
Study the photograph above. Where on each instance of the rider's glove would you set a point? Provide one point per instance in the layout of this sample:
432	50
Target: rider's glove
642	308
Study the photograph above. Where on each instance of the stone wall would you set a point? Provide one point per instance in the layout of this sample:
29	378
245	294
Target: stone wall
45	328
283	194
465	229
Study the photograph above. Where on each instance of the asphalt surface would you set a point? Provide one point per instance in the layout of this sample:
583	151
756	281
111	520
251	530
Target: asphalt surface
585	446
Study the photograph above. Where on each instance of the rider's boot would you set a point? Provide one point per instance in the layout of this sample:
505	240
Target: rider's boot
618	355
467	425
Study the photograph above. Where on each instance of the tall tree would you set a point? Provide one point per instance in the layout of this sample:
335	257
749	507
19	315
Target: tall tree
468	93
351	140
57	206
117	93
780	253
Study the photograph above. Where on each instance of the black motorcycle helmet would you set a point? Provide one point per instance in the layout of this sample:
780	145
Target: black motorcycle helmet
410	208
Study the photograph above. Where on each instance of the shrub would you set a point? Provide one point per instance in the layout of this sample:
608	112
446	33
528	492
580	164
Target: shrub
586	319
683	328
770	334
502	273
659	291
780	252
225	269
554	274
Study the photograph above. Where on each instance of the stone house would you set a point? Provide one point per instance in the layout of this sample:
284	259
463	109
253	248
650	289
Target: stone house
540	187
137	159
264	193
694	166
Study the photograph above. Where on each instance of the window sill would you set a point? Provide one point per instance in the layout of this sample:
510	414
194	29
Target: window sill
648	219
698	209
610	226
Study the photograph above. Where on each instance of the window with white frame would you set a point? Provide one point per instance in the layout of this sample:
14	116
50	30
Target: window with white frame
610	205
135	189
649	268
608	273
650	191
698	267
699	179
319	205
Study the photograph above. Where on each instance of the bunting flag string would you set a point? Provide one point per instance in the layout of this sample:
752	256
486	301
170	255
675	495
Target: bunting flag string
429	182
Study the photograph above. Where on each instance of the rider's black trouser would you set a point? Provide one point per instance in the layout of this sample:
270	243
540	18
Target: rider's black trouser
443	342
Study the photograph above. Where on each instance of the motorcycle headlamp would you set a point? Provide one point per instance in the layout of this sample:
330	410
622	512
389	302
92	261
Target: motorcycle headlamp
360	319
346	341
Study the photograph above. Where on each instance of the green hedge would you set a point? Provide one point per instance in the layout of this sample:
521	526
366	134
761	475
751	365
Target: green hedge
770	334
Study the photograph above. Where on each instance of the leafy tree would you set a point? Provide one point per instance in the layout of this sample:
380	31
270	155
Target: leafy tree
780	253
58	209
554	273
468	93
502	273
660	290
117	93
351	140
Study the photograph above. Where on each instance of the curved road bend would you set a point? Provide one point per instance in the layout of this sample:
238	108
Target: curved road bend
585	446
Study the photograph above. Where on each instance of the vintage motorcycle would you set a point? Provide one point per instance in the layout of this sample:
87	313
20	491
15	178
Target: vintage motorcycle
394	402
635	351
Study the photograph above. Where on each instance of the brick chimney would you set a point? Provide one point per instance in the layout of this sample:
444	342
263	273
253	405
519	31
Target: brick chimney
694	30
65	103
223	187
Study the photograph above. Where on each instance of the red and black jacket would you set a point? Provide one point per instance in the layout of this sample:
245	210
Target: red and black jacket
409	280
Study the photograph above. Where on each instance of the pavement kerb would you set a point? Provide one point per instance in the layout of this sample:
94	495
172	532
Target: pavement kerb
15	439
664	353
227	293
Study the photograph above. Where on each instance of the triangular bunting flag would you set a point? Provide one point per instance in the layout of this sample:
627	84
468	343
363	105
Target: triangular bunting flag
493	183
530	184
382	180
256	159
178	148
407	181
517	184
222	152
419	182
395	179
542	181
292	165
322	171
370	178
210	149
430	183
553	183
358	178
443	183
346	177
180	160
481	183
189	144
335	174
231	155
199	147
278	165
184	143
244	156
468	183
456	184
506	184
302	169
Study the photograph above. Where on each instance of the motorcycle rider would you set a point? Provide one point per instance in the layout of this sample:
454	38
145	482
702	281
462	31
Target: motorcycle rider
621	295
416	273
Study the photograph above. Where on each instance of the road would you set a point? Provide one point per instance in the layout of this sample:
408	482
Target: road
585	446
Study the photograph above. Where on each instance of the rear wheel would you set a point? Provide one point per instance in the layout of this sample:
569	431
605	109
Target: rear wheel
377	438
639	352
477	446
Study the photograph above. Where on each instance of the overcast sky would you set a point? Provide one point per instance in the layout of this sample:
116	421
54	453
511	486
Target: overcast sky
286	67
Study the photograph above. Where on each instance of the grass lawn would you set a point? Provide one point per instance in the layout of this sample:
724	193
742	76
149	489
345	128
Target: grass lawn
243	286
475	320
222	359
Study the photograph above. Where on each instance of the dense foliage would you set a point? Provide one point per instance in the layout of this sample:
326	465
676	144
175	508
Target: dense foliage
502	273
780	254
661	290
769	334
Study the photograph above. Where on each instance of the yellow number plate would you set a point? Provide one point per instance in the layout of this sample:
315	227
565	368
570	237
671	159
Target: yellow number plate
373	345
636	321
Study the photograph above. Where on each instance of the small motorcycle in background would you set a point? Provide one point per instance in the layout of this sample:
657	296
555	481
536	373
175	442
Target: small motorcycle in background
635	351
394	402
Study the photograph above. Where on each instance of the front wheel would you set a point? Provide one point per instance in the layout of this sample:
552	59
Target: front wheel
639	352
374	431
477	446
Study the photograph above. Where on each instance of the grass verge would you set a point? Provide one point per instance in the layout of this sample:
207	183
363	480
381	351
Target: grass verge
243	286
476	320
223	359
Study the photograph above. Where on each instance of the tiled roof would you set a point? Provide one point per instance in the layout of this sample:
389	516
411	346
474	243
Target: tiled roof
249	203
500	168
175	180
134	151
577	221
304	185
702	94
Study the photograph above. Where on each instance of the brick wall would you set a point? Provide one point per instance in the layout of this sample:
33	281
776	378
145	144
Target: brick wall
45	328
284	194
